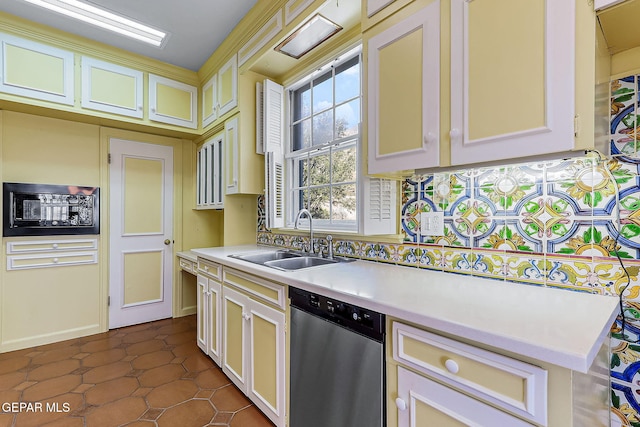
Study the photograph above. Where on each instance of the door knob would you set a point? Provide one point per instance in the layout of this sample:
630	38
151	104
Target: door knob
167	241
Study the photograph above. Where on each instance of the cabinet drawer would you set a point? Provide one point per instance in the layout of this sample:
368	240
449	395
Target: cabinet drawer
187	265
210	269
21	262
516	386
264	290
21	246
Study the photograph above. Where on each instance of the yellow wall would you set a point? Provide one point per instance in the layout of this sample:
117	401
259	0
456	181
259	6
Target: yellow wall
50	304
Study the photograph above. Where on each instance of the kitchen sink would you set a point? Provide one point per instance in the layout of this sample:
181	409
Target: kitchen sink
299	262
263	257
287	260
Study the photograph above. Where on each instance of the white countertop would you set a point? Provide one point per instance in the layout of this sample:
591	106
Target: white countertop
556	326
188	255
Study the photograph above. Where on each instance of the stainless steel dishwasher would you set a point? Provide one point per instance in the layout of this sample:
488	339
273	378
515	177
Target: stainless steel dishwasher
337	363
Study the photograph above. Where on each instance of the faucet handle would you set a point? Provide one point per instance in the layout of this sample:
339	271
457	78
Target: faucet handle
329	246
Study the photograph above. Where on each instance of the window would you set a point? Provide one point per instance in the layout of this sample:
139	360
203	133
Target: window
322	159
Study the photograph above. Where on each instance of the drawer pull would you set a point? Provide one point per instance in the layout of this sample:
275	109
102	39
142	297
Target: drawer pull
55	260
452	366
401	404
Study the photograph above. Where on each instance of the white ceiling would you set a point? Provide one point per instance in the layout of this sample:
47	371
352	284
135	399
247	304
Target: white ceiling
196	27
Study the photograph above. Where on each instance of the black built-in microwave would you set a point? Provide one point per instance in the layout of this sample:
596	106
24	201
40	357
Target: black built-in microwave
45	209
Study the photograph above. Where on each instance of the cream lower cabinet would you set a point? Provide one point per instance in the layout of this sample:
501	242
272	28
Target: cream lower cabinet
209	311
254	341
435	381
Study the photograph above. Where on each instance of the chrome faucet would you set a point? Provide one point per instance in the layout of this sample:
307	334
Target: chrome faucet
298	216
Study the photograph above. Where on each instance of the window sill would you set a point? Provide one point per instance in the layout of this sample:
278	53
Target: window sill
340	235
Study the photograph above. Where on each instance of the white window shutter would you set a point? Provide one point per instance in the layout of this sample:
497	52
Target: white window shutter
379	207
274	200
259	118
273	143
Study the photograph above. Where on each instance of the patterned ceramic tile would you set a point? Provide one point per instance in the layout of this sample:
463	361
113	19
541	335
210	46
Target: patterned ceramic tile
409	255
489	263
458	260
623	116
572	273
524	268
431	257
625	381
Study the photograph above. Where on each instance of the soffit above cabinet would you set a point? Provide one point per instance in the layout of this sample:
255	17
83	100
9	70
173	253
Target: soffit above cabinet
619	24
345	13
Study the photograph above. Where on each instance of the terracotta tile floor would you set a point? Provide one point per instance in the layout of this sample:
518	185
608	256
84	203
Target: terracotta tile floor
145	375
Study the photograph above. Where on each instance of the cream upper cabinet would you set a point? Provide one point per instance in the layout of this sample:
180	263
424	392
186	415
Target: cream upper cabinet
111	88
232	141
228	86
512	79
209	97
254	341
34	70
404	93
220	92
172	102
210	167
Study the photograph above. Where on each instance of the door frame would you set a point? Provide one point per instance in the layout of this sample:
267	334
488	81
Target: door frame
180	151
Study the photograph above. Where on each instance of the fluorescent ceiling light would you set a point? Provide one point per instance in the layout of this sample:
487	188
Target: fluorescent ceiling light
311	34
104	19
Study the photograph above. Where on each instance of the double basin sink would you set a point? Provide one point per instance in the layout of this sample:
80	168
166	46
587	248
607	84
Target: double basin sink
287	260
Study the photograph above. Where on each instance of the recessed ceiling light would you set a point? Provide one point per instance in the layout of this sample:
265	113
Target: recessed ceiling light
104	19
311	34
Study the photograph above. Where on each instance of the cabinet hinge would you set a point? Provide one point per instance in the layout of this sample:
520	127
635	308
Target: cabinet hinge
109	301
109	158
576	125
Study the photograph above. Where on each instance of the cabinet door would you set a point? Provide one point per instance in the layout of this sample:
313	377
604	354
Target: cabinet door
172	102
111	88
35	70
267	361
235	323
422	402
202	312
214	320
232	161
228	86
210	101
512	79
210	174
404	94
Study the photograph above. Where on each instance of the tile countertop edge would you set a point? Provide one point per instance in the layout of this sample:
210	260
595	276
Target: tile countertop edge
485	309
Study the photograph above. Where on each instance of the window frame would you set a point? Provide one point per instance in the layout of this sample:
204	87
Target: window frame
292	158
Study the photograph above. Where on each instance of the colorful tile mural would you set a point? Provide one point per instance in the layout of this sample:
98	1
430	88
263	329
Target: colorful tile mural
570	224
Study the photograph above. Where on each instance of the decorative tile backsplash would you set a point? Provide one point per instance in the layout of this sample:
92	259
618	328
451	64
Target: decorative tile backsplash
559	224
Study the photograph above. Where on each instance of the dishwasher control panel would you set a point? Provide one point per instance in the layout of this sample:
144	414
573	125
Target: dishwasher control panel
362	320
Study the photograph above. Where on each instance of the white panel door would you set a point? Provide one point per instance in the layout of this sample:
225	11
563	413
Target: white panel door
141	232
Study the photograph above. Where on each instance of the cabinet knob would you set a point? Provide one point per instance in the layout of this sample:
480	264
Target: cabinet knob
246	316
55	246
455	133
401	404
452	366
430	138
55	260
